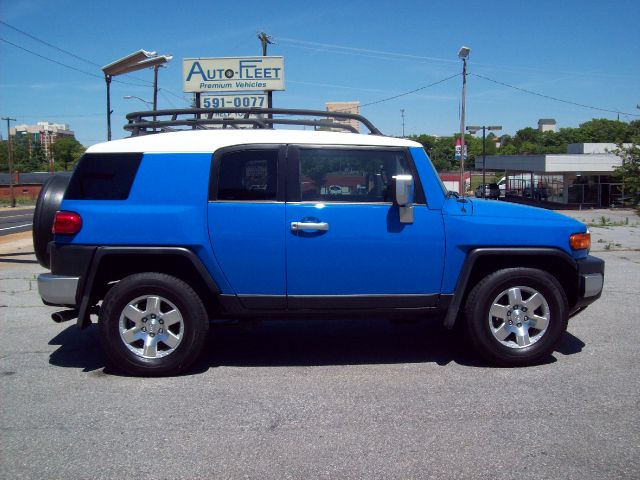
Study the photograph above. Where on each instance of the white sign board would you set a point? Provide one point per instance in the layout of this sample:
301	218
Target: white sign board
233	74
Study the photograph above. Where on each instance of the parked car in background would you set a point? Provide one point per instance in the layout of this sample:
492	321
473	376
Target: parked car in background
491	190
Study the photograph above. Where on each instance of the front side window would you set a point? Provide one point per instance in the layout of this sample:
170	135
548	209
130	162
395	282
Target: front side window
349	175
248	175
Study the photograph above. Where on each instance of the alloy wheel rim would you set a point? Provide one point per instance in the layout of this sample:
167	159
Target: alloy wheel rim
151	326
519	317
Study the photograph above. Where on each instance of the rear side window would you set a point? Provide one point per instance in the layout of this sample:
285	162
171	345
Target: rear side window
103	176
248	175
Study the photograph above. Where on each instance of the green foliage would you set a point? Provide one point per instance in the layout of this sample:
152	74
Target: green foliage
66	152
629	172
22	160
599	130
36	162
4	157
441	150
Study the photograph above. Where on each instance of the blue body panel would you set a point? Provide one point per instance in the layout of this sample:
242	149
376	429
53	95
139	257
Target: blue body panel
248	241
162	210
365	251
489	223
249	248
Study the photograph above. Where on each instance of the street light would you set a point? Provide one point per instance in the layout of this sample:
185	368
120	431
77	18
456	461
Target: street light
472	129
131	63
463	54
129	97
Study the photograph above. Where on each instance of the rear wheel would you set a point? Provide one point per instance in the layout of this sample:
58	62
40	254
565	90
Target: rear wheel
516	316
152	324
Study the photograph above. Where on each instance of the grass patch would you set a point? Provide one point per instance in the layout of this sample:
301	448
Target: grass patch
20	202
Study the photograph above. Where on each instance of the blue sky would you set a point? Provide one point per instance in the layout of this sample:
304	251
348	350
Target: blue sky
583	51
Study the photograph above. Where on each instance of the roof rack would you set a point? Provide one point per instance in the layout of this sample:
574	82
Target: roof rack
148	122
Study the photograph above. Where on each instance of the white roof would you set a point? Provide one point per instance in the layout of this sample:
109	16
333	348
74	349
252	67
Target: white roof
552	163
206	141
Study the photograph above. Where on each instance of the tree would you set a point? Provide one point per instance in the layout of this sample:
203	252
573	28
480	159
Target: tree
602	130
4	157
20	155
629	171
36	162
66	153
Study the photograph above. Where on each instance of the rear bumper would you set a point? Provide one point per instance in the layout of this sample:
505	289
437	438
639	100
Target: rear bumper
69	264
591	277
58	290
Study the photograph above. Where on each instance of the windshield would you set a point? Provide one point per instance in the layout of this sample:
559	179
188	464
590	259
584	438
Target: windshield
445	191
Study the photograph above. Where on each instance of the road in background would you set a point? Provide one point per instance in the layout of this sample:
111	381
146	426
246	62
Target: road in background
15	220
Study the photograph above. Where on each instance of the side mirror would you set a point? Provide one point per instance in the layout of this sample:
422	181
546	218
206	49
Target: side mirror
403	186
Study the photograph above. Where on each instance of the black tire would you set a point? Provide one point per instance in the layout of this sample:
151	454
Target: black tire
174	294
513	350
47	204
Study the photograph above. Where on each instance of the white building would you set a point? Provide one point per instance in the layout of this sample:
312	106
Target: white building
583	176
44	133
547	125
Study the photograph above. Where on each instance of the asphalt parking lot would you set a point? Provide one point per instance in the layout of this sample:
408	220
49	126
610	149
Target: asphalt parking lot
326	399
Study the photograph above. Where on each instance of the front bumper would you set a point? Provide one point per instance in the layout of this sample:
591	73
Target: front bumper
58	290
591	275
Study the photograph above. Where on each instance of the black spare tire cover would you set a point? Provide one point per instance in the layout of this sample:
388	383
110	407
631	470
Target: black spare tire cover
47	205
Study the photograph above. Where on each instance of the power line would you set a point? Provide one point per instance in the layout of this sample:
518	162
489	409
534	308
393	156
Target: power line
410	92
44	42
549	97
67	52
67	66
359	51
175	95
48	44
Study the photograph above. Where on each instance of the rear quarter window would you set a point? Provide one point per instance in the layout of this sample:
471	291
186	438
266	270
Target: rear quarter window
103	176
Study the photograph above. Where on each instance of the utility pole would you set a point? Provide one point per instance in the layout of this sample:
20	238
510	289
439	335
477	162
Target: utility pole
264	41
473	130
463	54
10	151
107	79
402	113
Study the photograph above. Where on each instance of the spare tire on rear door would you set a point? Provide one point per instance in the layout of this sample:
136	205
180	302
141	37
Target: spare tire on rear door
47	205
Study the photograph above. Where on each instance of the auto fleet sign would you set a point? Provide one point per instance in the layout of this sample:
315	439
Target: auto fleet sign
233	74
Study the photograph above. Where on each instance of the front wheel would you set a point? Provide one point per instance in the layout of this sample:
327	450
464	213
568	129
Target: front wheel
516	316
152	324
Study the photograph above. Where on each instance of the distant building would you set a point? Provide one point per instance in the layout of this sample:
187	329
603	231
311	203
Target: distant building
581	177
451	180
345	107
547	125
42	133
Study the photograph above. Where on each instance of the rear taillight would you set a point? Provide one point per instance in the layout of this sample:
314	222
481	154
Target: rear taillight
580	241
67	223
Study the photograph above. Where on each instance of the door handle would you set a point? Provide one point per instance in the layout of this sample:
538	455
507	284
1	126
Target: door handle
299	226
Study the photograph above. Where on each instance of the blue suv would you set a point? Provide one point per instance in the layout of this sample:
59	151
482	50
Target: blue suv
159	234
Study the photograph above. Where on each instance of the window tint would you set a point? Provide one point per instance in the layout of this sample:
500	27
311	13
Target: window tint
343	175
248	175
103	176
